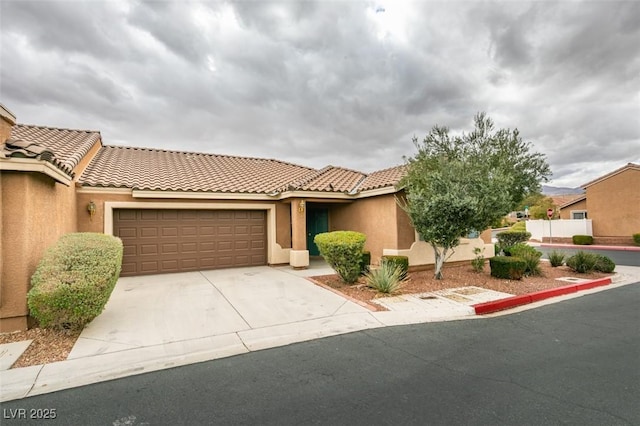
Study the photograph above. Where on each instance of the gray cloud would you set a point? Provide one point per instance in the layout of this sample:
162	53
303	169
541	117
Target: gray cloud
342	83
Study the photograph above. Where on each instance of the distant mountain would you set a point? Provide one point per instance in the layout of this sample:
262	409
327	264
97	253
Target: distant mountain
555	190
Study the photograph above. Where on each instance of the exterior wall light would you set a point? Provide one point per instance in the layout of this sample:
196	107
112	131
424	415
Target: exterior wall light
301	206
91	208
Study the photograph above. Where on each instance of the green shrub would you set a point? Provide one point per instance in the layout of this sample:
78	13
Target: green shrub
636	239
519	227
385	279
478	262
507	239
365	261
556	258
401	262
343	252
74	279
507	267
604	264
582	240
582	262
531	258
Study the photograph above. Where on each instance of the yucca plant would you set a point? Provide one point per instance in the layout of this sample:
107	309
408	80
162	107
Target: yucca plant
556	258
385	279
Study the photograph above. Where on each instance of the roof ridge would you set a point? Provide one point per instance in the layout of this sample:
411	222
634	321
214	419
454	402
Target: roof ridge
631	166
210	154
56	128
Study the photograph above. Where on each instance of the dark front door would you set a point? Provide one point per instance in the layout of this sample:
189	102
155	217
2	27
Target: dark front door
317	223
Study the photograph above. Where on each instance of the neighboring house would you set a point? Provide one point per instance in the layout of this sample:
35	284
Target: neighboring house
612	202
181	211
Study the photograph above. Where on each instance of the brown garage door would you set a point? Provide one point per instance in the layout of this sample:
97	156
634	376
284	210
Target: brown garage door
162	241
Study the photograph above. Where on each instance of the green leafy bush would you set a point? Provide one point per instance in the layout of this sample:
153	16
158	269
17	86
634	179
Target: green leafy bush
519	227
478	262
507	267
582	262
508	239
385	279
365	261
531	257
401	262
556	258
636	239
582	240
74	279
604	264
343	252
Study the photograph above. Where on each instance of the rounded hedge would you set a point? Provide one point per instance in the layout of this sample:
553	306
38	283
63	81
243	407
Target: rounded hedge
582	240
74	279
343	252
507	267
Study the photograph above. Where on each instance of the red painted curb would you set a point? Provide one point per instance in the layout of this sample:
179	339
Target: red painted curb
512	302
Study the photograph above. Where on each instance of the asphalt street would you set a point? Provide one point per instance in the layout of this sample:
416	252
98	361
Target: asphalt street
575	362
620	257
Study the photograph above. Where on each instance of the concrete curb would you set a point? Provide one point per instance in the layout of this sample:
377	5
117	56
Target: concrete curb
511	302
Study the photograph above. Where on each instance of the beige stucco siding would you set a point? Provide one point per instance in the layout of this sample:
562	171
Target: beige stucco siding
283	224
565	212
614	204
376	218
36	211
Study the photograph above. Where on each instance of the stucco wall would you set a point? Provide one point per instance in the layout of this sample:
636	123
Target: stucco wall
283	224
36	211
614	205
565	213
375	217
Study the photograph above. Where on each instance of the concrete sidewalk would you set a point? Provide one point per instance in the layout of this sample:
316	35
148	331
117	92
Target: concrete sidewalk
165	321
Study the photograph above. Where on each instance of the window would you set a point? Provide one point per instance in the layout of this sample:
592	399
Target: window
578	214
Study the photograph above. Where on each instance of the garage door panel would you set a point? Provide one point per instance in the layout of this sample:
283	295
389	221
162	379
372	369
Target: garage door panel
188	231
148	249
148	215
190	247
157	241
225	231
207	230
169	249
188	215
171	231
169	215
148	232
241	230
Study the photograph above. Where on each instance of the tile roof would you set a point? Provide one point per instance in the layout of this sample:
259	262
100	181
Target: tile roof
153	169
25	149
62	147
383	178
163	170
330	178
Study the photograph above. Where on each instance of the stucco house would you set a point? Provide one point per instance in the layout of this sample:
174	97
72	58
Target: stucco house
612	202
182	211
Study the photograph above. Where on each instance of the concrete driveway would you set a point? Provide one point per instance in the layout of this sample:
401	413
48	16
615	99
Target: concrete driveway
256	305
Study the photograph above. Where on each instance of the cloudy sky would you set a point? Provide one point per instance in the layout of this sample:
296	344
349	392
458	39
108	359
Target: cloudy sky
346	83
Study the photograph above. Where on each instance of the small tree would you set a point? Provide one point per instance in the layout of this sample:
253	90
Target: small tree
456	184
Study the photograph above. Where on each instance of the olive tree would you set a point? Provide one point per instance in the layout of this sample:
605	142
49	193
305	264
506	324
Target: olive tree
456	184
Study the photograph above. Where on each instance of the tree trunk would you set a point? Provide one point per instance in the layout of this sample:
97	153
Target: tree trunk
440	254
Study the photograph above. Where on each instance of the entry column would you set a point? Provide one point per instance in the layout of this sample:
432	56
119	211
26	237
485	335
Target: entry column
299	255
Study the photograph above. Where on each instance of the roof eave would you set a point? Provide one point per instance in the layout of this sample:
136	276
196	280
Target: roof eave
38	166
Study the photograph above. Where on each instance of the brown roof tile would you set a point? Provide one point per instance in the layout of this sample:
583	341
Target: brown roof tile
332	179
62	147
382	178
152	169
163	170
